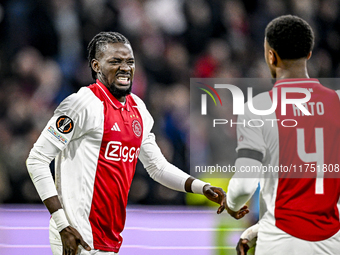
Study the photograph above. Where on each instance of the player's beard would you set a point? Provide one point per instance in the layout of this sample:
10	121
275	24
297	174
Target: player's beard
116	92
119	93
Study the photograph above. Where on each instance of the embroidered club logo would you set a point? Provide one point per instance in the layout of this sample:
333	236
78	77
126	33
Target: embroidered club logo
137	128
64	124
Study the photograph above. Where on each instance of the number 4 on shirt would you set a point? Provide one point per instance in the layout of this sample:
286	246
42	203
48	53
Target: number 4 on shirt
317	156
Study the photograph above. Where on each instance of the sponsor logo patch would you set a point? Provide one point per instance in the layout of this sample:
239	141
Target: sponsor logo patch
137	128
64	124
116	151
57	135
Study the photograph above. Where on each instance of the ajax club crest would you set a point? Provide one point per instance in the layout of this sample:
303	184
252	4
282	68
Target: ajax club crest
137	128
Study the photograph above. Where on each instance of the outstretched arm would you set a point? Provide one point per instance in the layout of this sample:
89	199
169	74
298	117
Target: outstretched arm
172	177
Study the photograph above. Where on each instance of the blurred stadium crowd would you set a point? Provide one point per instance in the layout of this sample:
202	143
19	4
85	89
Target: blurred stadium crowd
43	59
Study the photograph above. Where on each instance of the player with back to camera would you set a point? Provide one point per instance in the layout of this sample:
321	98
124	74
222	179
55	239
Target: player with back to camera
297	215
96	137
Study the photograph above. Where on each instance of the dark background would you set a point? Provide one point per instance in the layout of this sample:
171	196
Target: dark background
43	60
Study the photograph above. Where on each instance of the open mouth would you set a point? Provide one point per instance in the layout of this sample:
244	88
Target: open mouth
123	80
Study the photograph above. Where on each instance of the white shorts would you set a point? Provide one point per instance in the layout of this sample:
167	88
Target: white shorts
272	240
56	246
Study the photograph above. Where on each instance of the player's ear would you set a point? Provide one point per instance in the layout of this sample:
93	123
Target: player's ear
309	55
272	57
95	65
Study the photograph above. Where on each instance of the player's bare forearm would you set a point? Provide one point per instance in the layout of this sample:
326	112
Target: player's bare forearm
52	204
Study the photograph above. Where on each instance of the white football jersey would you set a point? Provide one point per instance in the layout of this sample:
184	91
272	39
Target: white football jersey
300	195
99	141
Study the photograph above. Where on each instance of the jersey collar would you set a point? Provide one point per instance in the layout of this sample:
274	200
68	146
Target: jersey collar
114	101
296	82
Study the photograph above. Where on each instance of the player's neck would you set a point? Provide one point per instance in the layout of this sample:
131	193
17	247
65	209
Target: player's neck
292	69
290	75
122	100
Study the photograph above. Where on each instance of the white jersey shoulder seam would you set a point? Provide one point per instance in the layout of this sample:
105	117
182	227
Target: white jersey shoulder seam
138	100
77	102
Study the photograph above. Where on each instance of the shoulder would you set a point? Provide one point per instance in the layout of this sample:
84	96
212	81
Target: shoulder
139	102
264	96
261	101
78	102
141	106
82	97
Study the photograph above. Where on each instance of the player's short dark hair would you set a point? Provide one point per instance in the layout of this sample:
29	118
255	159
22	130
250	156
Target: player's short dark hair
98	41
290	36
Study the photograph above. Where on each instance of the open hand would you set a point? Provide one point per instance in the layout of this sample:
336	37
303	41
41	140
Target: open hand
216	195
239	214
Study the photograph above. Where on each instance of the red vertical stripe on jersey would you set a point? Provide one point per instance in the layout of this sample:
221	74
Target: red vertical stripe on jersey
299	211
117	161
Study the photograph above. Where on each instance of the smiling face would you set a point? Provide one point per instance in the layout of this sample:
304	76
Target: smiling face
115	67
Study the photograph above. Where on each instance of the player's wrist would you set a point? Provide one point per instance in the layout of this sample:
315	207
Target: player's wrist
231	206
197	186
60	219
251	235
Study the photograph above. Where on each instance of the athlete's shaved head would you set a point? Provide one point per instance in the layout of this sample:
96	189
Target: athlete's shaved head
290	36
98	43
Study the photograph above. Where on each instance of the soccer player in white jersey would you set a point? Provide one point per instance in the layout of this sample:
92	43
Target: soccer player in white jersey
96	137
297	215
